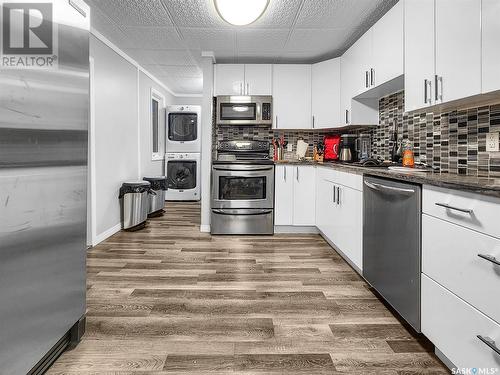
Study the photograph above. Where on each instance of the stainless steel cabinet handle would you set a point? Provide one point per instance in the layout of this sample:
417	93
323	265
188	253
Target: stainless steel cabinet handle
425	91
436	94
338	195
447	206
366	79
347	116
334	190
241	88
284	173
248	89
276	121
440	79
297	170
490	342
380	187
372	77
313	122
489	258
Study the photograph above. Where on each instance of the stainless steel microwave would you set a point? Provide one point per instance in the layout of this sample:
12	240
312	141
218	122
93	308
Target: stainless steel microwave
244	110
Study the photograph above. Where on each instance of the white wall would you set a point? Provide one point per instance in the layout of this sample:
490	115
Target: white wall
116	145
122	143
151	167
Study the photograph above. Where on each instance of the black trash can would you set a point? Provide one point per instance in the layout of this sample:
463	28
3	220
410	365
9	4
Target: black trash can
157	200
134	204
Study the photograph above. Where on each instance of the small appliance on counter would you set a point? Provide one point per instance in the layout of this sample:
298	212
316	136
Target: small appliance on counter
331	147
348	148
242	189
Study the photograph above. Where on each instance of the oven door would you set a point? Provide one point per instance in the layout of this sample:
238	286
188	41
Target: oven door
243	186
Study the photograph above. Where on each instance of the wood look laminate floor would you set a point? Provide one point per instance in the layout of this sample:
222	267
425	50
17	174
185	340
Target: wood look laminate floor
171	300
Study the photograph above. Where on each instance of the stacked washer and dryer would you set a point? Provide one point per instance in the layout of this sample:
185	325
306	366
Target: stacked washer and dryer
183	152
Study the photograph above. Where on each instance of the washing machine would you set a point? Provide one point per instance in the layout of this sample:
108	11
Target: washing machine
183	173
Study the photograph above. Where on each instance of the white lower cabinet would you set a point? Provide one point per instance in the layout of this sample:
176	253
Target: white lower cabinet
339	212
453	326
454	257
294	195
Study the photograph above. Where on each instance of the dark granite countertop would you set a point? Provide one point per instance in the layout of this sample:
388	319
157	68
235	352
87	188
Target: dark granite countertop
481	185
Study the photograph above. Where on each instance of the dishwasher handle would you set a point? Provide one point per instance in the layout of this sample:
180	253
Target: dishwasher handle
391	189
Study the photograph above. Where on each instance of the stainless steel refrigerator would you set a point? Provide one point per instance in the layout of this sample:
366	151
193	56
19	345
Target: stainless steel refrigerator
43	180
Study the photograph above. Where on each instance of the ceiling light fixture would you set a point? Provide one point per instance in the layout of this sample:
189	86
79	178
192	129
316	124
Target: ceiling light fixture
241	12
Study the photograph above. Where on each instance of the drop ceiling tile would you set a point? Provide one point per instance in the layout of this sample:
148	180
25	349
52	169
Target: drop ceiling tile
317	41
164	57
195	13
261	40
152	38
104	25
208	39
135	13
279	14
173	71
340	13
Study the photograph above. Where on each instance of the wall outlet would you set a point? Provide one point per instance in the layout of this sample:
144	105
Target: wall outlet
492	142
289	147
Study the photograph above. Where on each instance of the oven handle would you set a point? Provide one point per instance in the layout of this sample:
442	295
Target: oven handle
250	169
232	213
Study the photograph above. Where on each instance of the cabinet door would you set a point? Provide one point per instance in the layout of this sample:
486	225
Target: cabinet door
491	41
354	74
283	196
292	96
419	53
326	94
458	49
304	200
229	79
350	224
388	50
258	79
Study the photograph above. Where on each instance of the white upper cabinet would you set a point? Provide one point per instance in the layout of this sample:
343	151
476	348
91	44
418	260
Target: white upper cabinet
490	47
229	79
388	52
258	79
354	75
292	96
241	79
442	51
326	94
419	53
458	49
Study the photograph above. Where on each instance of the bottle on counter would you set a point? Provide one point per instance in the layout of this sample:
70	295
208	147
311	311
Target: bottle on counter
408	155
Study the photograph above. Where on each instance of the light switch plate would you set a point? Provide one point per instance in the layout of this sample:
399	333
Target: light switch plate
492	142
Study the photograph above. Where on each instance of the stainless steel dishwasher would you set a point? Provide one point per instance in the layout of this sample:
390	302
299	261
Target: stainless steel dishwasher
392	245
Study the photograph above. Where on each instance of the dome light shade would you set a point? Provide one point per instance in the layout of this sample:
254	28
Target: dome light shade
241	12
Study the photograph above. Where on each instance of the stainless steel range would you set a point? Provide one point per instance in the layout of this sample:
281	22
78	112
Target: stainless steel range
243	189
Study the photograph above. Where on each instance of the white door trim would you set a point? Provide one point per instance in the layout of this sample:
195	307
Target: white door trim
92	194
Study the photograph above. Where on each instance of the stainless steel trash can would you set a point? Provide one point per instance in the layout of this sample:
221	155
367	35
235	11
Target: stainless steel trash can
134	204
157	200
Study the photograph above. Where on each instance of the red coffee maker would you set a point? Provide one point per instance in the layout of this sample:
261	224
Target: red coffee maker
332	147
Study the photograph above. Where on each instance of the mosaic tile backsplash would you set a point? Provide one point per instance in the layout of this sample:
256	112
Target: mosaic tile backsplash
454	141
